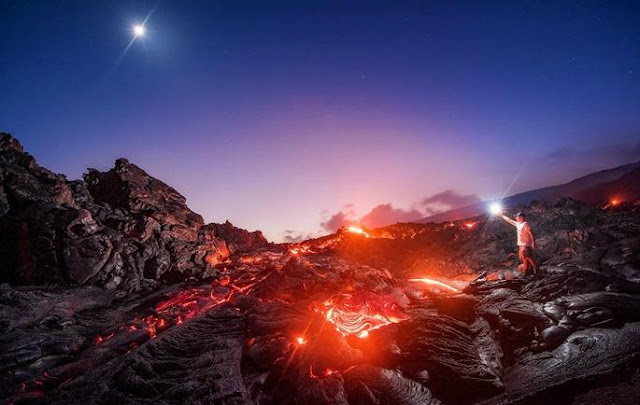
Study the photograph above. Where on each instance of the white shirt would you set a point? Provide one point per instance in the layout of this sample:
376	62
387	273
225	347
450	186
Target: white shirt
523	230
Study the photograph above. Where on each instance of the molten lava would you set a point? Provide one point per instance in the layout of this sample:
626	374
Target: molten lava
437	283
297	250
361	312
357	230
186	304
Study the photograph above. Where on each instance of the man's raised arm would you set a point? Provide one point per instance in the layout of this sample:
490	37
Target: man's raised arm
509	220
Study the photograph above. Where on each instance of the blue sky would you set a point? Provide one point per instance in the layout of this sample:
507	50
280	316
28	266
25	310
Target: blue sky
278	115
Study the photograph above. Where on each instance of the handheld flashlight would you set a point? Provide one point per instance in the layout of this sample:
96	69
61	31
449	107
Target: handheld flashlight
495	208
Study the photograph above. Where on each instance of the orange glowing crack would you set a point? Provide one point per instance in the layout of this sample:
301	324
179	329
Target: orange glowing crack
300	250
328	372
430	281
186	304
357	230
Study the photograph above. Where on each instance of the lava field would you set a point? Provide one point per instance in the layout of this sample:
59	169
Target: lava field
120	294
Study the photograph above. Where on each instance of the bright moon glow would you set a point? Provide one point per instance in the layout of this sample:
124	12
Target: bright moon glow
138	30
495	208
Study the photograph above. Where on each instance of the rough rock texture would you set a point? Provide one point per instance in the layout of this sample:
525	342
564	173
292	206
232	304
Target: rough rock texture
568	233
407	314
119	229
315	325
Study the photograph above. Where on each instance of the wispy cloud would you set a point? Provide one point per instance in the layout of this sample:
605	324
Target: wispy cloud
295	237
448	200
616	153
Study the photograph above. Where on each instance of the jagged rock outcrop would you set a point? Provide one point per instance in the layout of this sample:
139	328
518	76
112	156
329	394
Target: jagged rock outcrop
119	229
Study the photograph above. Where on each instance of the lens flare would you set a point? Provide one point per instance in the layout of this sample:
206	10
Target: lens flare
495	208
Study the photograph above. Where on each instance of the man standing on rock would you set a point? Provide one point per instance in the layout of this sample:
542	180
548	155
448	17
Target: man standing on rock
526	242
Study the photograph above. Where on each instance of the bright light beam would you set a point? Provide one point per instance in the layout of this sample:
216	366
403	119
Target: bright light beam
495	208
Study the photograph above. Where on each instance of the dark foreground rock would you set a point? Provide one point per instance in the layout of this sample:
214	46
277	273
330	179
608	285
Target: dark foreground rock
120	229
407	314
276	327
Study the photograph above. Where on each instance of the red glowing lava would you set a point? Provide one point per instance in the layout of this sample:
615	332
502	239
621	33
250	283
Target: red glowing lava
328	372
470	225
357	230
297	250
437	283
186	304
361	312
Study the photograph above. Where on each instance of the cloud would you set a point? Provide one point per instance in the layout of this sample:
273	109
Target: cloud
447	200
562	153
620	153
385	214
295	237
381	215
337	221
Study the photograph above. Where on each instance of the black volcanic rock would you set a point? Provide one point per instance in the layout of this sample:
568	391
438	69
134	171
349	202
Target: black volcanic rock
624	189
238	240
334	320
120	229
130	188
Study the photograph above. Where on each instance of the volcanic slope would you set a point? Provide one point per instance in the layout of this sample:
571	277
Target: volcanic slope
406	314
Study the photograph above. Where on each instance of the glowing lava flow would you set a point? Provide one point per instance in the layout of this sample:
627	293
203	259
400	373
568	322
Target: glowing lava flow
300	250
430	281
357	230
186	304
360	313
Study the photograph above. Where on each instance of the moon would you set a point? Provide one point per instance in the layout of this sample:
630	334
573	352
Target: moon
138	30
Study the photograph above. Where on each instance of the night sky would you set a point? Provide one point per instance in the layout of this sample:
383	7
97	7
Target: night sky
294	116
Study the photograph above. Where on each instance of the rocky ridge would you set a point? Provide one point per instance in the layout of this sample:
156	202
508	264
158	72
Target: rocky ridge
121	229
